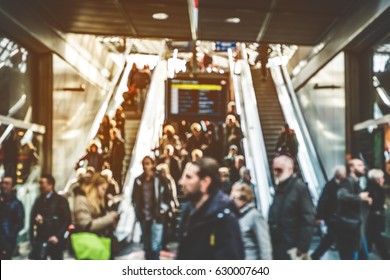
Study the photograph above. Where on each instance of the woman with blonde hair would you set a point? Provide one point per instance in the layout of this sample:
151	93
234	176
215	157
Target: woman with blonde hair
90	213
254	228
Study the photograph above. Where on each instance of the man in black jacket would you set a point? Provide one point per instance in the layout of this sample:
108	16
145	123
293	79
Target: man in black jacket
327	207
353	207
209	228
151	199
11	218
291	216
50	218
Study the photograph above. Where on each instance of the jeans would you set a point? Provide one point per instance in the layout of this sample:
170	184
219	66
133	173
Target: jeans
152	233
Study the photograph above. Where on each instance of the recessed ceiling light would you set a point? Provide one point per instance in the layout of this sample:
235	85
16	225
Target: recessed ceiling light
160	16
233	20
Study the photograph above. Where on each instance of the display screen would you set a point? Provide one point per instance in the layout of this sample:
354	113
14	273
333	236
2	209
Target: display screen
196	99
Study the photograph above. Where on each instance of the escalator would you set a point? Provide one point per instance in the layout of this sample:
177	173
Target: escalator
131	128
270	112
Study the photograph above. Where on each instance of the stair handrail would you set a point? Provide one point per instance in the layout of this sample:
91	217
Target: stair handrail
253	141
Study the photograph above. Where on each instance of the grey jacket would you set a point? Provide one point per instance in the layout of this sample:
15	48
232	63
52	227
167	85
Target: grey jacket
255	234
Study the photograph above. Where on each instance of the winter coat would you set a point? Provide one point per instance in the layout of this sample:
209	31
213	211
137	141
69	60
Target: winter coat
327	204
56	217
351	206
88	219
11	221
255	234
376	218
291	218
211	232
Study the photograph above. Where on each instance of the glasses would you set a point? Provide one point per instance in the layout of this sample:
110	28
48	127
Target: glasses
278	170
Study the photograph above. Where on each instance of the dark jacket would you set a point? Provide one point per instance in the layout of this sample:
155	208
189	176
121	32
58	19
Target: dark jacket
12	221
376	218
174	166
327	204
161	193
211	232
291	218
56	217
117	154
352	206
287	143
94	159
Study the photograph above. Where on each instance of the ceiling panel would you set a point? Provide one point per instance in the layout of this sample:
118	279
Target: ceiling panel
301	22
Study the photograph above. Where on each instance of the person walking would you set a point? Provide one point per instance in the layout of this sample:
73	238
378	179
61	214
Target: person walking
50	218
292	214
151	199
11	218
254	228
209	228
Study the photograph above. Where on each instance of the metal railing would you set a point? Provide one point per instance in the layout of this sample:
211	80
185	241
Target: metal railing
312	170
147	138
254	147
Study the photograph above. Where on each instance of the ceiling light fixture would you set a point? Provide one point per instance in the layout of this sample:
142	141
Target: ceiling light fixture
160	16
233	20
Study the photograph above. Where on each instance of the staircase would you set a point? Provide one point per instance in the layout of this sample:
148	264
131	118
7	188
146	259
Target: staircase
270	113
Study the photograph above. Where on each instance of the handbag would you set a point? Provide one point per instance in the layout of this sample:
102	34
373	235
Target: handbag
90	246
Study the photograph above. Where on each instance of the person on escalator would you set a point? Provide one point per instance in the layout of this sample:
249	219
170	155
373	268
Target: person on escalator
287	142
94	157
264	51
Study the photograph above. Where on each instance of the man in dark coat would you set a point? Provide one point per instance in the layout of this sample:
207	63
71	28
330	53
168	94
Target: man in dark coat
117	153
353	207
151	199
292	214
50	218
209	228
287	141
11	218
327	207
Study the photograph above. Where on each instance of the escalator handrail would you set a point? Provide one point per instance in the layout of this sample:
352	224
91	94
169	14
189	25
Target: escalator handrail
99	116
320	170
147	138
254	146
312	170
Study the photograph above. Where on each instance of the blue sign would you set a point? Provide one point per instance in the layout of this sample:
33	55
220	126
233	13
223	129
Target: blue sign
224	46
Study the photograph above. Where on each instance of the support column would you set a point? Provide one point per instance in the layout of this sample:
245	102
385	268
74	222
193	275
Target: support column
43	105
359	95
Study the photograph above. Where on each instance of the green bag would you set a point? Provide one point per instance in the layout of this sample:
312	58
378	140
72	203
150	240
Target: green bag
90	246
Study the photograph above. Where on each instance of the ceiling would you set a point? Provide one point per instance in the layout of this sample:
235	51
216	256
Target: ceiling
300	22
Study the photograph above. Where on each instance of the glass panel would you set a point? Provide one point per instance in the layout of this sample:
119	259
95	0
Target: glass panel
15	80
322	101
75	105
381	74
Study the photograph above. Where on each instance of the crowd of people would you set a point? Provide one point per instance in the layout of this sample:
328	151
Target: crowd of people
107	150
198	172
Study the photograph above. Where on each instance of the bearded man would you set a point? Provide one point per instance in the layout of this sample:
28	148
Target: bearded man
209	228
291	215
